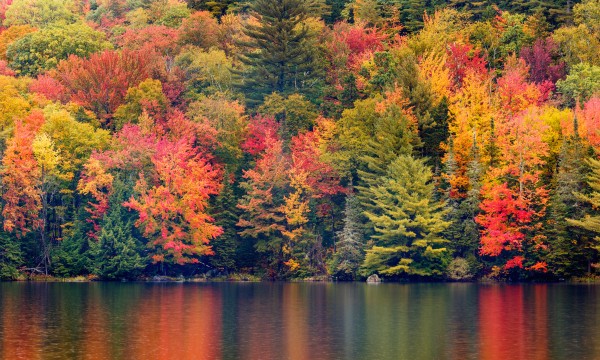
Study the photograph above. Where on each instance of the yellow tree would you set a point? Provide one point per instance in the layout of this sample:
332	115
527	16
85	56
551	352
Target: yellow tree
472	115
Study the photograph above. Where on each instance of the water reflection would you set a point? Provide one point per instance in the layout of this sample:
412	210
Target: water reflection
298	321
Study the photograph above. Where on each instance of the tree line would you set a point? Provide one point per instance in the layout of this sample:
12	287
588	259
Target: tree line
300	139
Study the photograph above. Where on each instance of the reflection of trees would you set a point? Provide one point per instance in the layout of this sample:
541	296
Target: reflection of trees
297	321
513	322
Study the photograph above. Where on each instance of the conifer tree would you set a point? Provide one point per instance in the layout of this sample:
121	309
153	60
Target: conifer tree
411	14
117	253
11	257
408	223
277	56
463	234
589	244
392	137
565	256
350	244
224	211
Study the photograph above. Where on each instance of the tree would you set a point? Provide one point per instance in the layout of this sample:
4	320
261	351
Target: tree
514	199
42	50
590	222
14	105
263	218
169	13
394	135
223	209
566	256
299	243
276	56
11	257
228	118
582	82
20	178
172	206
40	13
408	223
504	219
11	35
542	59
349	253
117	253
100	83
216	7
588	13
145	98
207	72
201	30
23	195
294	113
463	208
576	45
156	39
74	140
411	14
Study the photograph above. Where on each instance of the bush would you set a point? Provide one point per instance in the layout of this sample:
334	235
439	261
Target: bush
459	269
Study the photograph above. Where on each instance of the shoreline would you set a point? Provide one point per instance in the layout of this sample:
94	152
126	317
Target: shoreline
254	279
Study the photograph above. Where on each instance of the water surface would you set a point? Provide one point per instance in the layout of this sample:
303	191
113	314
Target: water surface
298	321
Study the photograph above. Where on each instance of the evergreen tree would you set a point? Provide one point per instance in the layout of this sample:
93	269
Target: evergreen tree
565	256
226	215
216	7
278	57
11	257
408	223
411	14
350	253
463	234
478	10
392	137
589	243
117	253
72	256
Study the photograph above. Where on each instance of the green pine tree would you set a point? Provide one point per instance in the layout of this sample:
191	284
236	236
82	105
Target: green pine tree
588	244
117	253
350	244
565	256
279	56
226	215
11	257
408	223
392	137
411	14
72	256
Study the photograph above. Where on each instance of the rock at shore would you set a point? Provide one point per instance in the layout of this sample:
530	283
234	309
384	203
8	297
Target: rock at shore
373	279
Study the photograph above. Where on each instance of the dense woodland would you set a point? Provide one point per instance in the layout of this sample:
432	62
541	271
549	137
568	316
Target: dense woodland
289	139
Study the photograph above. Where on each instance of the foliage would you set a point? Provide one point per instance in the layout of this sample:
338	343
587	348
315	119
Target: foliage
350	244
11	257
590	222
172	207
459	269
42	50
100	83
581	83
299	139
278	56
117	254
40	13
408	223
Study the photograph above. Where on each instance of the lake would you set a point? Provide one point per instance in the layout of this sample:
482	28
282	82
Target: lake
298	321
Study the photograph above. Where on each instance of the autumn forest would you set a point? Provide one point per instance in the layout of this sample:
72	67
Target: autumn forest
300	139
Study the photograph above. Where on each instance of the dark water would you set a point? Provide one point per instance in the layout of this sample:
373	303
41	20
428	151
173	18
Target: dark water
298	321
